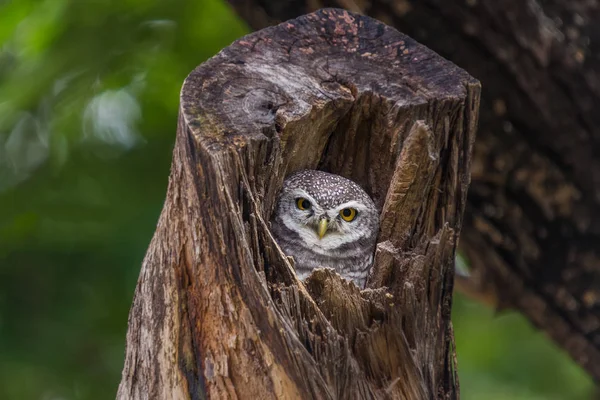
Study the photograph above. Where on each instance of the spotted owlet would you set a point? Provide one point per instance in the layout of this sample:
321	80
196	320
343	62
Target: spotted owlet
325	220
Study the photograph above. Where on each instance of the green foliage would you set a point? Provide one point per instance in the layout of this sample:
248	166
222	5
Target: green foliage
88	110
502	357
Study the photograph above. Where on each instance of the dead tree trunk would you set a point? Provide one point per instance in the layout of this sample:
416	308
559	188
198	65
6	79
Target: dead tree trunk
218	312
532	225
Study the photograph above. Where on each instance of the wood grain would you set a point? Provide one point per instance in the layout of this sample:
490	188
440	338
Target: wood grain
218	311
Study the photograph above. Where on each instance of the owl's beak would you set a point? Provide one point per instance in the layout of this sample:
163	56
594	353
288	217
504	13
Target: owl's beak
322	227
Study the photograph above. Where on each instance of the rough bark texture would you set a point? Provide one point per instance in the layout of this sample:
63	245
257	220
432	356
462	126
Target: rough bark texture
218	312
532	225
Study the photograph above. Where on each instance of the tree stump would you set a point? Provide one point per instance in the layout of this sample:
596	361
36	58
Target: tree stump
218	311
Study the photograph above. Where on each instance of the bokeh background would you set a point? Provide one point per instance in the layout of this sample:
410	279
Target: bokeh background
88	106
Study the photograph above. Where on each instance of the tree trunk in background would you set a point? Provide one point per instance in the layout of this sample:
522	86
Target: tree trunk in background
532	225
218	312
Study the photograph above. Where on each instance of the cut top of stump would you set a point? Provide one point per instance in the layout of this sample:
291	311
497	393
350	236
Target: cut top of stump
315	67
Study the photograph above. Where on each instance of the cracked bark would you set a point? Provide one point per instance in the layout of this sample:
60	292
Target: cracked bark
218	311
532	225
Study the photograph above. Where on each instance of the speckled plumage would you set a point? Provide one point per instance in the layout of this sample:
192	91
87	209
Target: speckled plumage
347	247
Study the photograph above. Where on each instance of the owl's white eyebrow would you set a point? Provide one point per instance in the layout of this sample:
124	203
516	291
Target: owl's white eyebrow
301	193
351	204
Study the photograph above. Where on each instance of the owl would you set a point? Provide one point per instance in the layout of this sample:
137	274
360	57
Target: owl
325	220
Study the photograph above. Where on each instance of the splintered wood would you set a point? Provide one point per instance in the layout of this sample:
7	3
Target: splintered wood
218	311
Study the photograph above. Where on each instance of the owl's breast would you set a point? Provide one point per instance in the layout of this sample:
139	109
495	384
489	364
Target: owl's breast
353	267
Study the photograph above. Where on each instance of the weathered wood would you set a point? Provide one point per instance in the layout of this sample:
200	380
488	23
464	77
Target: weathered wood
532	225
218	311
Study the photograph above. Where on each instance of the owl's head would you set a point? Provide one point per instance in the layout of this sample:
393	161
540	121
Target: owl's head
326	211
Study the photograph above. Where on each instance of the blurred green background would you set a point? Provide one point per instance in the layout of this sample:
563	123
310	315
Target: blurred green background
88	106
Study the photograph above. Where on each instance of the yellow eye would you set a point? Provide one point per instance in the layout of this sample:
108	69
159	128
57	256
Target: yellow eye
348	214
302	203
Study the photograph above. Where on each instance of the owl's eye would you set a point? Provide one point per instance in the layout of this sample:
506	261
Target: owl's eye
348	214
302	203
